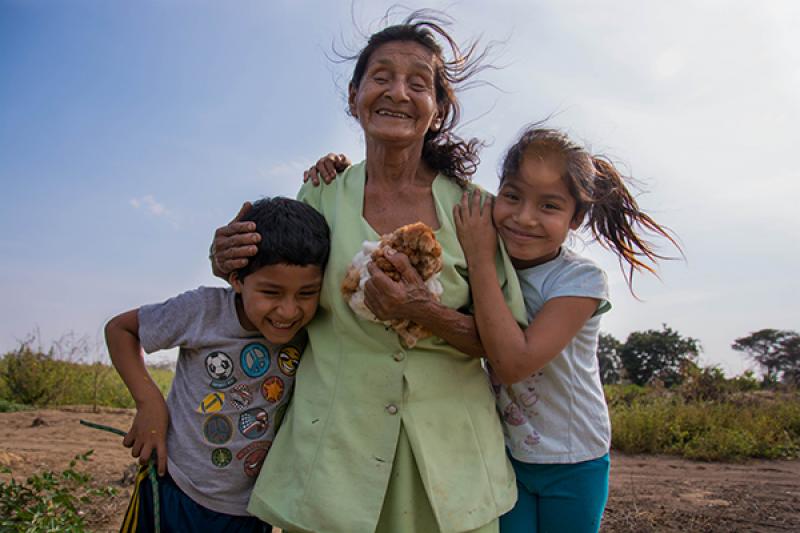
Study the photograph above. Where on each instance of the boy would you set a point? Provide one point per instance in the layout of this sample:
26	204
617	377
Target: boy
239	350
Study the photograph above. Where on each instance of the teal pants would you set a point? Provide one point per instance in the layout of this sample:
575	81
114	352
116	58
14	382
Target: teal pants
558	498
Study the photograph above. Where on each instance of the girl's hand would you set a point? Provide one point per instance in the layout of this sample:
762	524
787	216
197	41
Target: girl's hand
396	300
326	168
234	244
475	229
148	433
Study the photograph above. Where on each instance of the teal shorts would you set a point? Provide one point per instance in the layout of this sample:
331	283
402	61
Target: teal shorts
556	498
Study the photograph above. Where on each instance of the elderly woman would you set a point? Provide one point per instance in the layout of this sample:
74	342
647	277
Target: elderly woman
379	437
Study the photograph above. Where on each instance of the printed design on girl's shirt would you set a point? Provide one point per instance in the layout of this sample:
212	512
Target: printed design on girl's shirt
221	457
272	389
211	403
255	359
512	414
240	396
219	366
288	359
218	429
532	439
253	455
253	423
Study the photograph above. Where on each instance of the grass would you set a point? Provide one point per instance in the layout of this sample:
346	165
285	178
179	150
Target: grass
761	424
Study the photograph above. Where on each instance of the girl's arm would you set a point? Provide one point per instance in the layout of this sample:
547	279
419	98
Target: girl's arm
514	354
148	432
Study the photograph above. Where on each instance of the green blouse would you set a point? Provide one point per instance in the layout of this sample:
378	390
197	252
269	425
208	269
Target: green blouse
329	466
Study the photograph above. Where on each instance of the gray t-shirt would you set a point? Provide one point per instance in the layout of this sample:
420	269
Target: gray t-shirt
230	391
559	414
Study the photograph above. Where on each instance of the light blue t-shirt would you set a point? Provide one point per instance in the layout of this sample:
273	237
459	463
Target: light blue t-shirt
559	414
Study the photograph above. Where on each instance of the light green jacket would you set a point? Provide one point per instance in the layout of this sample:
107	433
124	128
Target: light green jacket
329	466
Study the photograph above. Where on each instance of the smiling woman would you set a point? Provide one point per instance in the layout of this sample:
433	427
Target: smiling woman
381	437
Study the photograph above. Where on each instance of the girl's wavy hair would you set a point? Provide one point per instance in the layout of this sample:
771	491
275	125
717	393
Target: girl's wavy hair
603	202
443	150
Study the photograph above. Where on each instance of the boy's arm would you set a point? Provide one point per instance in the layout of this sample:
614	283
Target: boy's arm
148	432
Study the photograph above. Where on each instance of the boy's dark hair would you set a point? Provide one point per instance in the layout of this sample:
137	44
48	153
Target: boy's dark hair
292	233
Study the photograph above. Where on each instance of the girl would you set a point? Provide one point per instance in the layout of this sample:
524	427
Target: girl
546	377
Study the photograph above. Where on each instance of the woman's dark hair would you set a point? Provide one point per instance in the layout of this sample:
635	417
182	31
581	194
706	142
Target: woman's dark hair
292	233
443	150
603	202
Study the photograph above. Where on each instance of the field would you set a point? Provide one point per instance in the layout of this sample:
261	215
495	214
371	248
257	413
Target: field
648	492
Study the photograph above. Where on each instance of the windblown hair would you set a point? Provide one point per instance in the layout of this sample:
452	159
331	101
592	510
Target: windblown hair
603	202
292	233
443	150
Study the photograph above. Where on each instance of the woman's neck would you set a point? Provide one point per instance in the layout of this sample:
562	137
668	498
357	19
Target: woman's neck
396	167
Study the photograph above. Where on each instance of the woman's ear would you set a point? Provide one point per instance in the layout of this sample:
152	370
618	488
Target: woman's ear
351	100
438	119
236	283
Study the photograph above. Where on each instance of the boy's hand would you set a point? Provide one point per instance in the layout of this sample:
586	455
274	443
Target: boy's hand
475	229
148	433
234	244
326	168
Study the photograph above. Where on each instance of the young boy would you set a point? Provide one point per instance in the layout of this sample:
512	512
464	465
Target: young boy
239	350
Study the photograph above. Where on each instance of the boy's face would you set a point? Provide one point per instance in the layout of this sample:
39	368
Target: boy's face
278	300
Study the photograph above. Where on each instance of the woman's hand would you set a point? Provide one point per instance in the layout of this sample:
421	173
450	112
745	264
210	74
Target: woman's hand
396	300
475	229
326	168
234	244
148	433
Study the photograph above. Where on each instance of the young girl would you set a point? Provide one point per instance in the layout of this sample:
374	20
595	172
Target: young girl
546	377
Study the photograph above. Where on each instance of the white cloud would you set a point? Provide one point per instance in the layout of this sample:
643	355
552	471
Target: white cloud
150	205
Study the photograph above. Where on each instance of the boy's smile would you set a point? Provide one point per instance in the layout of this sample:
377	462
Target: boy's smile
278	300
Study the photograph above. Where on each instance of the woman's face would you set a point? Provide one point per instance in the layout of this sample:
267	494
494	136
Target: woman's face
395	101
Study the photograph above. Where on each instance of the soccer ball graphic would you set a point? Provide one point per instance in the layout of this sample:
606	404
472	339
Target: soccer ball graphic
219	365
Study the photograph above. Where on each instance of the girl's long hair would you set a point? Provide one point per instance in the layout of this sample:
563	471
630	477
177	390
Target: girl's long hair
603	201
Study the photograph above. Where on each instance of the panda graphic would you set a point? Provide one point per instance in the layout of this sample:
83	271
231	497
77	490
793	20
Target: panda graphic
219	366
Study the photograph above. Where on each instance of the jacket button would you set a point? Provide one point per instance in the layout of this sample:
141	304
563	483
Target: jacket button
391	409
399	356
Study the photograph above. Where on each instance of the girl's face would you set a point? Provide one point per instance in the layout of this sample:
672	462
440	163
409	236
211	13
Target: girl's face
534	211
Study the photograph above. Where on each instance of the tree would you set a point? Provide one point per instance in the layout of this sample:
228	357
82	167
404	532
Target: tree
608	359
776	350
652	354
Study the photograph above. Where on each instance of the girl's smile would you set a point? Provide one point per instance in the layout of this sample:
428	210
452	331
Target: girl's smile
534	211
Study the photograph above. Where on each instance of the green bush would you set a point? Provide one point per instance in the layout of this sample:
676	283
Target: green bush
740	426
69	383
11	407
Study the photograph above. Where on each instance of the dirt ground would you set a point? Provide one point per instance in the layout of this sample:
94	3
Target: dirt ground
648	493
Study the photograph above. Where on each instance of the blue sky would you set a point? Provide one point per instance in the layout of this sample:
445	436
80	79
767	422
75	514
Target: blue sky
130	131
